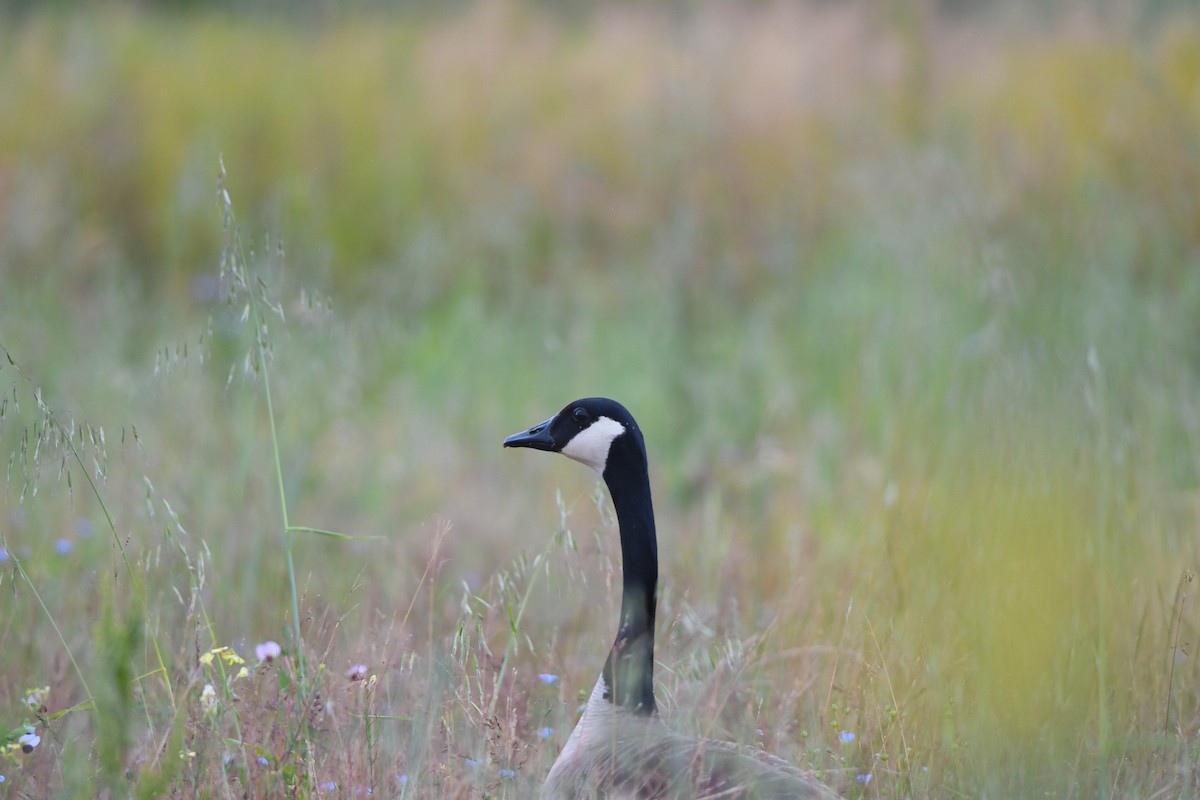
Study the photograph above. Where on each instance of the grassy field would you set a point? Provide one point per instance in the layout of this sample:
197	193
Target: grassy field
907	303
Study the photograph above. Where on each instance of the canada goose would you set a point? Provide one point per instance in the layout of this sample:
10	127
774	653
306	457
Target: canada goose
620	747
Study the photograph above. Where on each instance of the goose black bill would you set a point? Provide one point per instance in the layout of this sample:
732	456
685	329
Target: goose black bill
538	437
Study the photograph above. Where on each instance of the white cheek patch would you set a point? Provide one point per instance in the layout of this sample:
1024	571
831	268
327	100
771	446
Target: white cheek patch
590	446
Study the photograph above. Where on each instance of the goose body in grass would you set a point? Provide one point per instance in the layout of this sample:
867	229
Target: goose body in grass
620	747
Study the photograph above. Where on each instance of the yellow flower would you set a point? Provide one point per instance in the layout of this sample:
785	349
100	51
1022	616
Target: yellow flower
242	673
227	654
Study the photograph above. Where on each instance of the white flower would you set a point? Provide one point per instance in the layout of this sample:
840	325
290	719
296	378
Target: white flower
357	673
29	741
37	697
208	697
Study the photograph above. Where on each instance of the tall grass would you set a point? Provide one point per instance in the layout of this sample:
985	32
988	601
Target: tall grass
906	305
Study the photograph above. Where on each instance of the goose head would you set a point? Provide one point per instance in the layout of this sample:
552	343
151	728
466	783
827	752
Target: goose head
594	431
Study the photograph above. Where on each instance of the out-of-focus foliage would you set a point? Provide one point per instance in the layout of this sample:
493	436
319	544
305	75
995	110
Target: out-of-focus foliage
366	142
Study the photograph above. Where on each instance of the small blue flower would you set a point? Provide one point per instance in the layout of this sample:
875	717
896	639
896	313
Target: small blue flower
3	555
402	780
329	786
262	761
507	774
548	678
64	546
472	763
2	779
544	733
864	779
847	737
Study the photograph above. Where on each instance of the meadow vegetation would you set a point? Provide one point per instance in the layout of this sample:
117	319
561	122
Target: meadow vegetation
907	303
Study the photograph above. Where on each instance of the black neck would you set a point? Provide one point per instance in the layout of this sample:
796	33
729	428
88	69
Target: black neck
629	671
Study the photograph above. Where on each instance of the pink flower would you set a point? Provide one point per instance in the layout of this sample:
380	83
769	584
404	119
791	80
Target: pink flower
268	651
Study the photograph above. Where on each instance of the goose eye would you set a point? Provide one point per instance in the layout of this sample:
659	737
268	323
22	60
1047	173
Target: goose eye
581	415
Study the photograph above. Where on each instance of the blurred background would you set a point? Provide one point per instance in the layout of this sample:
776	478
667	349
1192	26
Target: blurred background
905	295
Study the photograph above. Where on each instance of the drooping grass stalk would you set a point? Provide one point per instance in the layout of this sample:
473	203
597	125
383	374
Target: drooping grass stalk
138	587
234	261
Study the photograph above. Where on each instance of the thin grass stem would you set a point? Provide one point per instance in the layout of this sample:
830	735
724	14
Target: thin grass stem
514	629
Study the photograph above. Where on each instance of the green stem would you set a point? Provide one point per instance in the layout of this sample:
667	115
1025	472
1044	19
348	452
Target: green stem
37	595
283	511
